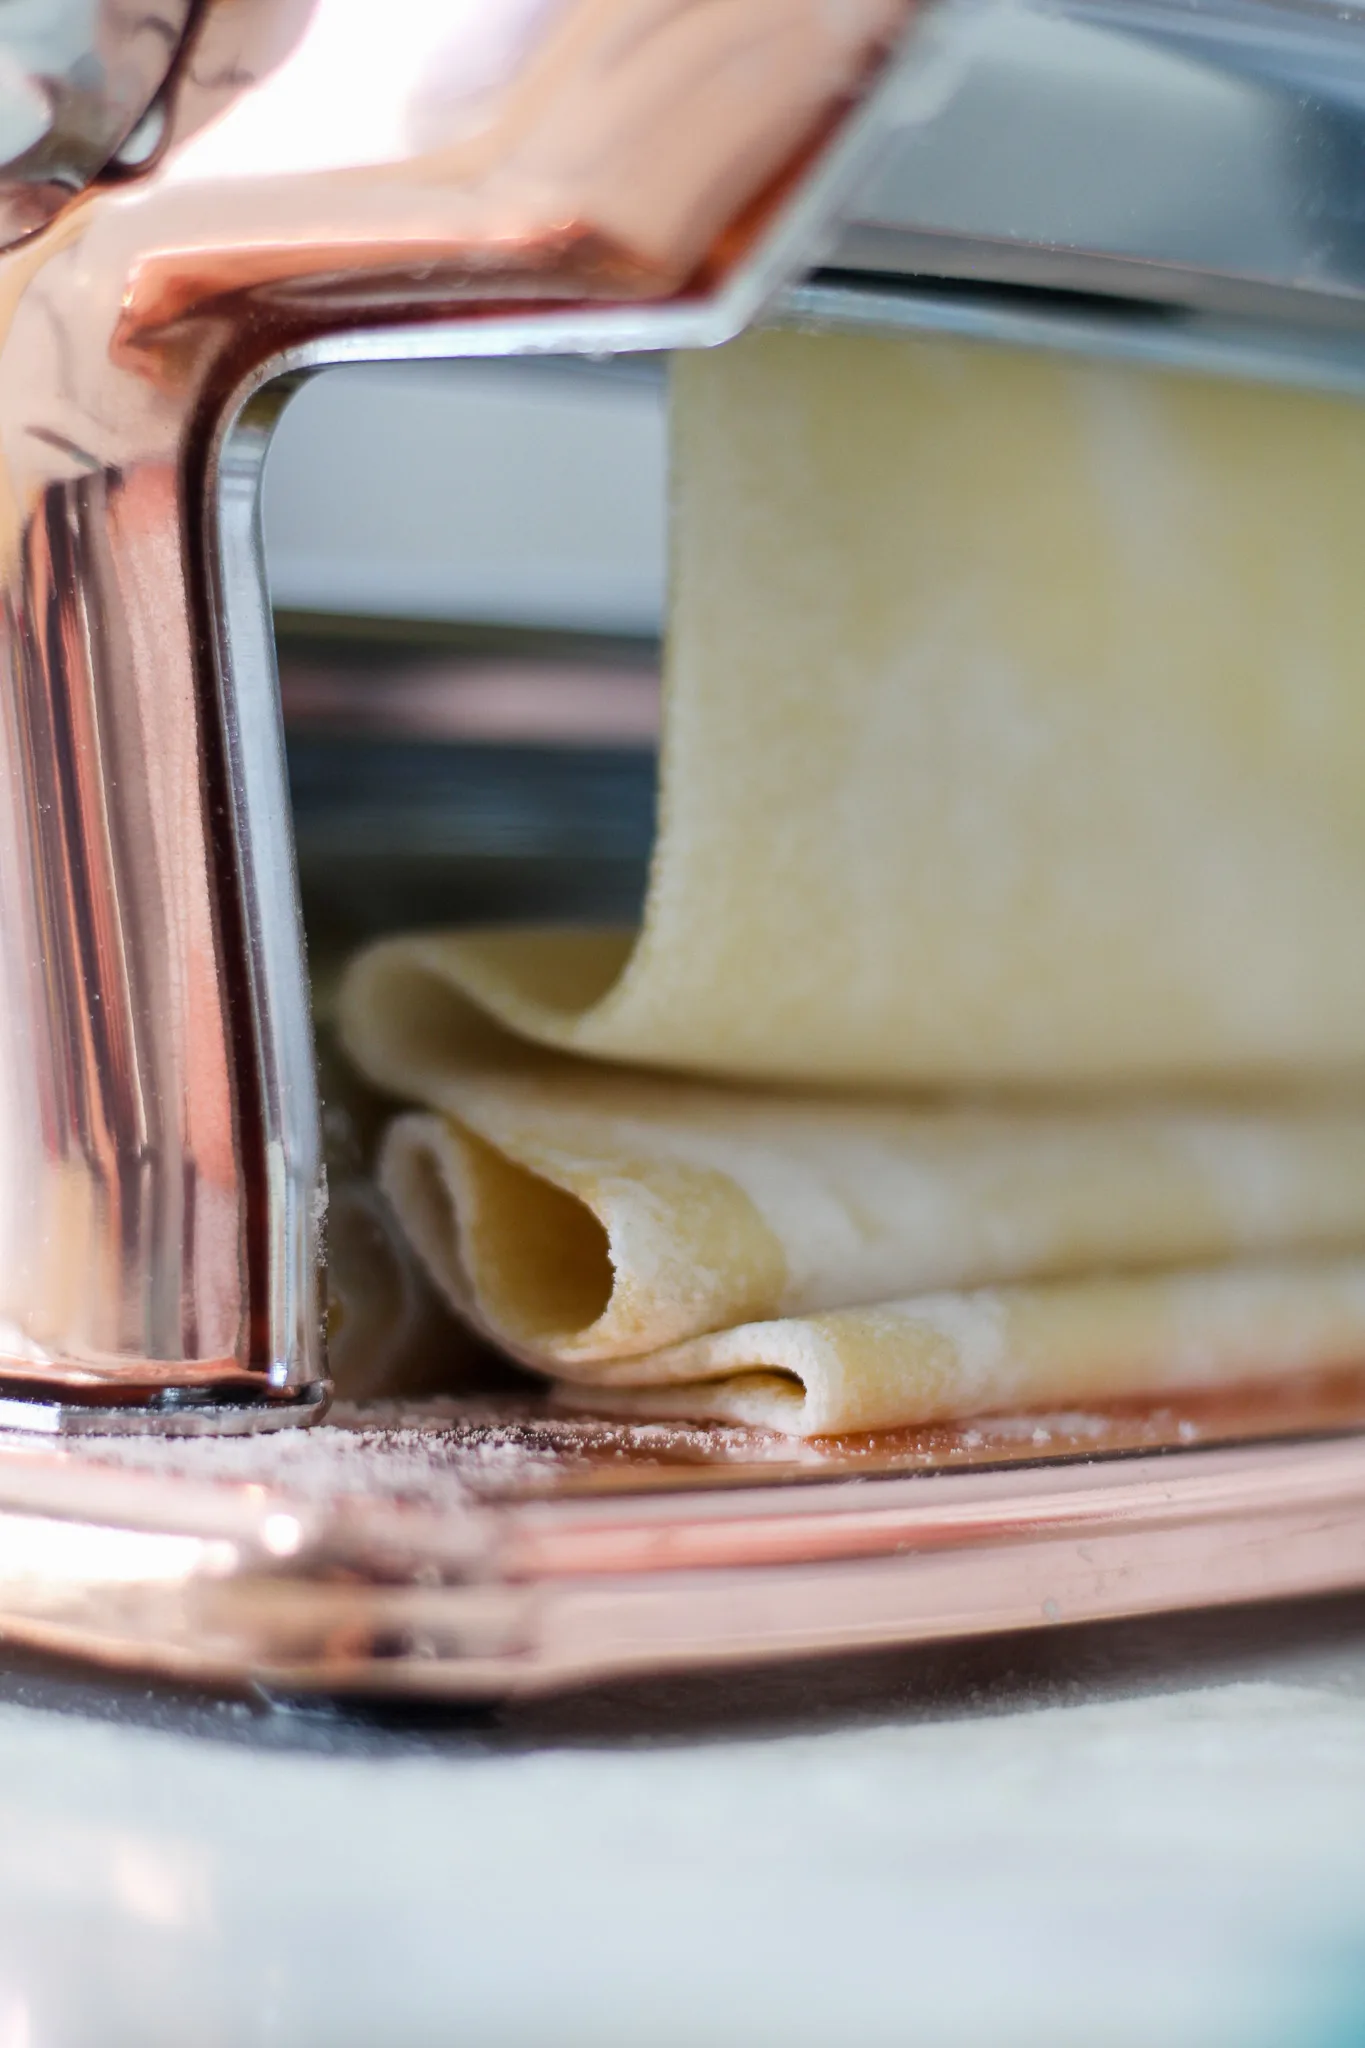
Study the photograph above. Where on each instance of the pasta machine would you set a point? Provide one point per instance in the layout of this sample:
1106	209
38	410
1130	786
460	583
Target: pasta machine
202	203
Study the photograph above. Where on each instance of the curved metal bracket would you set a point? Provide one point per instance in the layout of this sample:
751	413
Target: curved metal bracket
596	174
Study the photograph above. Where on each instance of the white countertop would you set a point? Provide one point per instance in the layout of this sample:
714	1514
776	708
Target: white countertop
1146	1833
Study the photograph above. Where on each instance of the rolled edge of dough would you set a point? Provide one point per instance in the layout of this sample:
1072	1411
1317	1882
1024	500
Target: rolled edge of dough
952	1356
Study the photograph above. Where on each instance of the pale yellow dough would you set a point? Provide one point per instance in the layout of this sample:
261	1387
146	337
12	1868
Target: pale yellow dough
1014	734
1044	1346
603	1214
788	1259
1014	731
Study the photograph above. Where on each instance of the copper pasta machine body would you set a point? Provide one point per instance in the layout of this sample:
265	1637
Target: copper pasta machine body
204	202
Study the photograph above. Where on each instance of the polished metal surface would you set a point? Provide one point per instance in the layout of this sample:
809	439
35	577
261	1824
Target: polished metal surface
1256	351
605	174
1205	154
489	1548
77	77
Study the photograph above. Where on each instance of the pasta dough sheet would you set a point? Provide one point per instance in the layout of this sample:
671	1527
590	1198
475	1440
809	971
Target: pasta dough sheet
940	1356
1013	739
788	1257
606	1214
1014	731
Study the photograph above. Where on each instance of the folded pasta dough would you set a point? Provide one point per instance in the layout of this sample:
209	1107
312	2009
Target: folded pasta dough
939	1357
1013	732
1012	737
605	1225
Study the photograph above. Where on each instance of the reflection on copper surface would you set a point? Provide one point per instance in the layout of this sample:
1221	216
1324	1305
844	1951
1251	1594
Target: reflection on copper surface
467	1550
63	1553
159	1161
75	83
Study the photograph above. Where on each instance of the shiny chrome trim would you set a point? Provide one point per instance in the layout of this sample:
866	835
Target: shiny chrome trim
172	1413
1161	338
267	881
1204	154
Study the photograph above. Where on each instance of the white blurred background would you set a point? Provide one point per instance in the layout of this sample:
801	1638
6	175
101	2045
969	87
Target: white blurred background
524	494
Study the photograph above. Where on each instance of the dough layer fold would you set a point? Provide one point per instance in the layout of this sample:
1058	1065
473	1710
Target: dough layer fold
824	1263
995	1032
